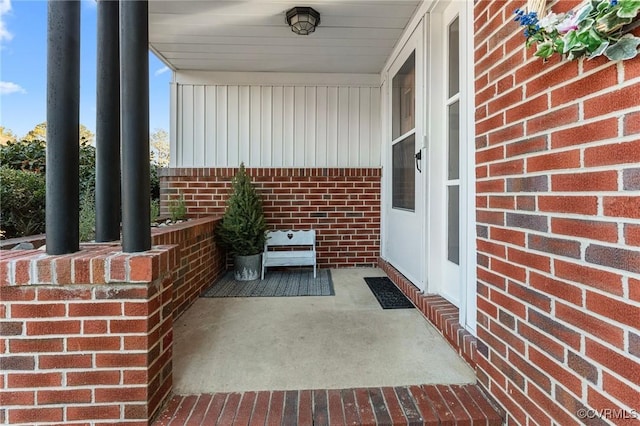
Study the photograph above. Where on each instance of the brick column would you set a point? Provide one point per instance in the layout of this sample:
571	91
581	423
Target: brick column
86	336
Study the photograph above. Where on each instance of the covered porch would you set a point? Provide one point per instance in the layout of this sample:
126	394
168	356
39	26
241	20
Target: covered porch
329	126
312	342
497	191
318	360
311	118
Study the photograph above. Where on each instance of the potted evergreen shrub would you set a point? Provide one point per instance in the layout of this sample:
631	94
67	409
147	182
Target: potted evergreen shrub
242	229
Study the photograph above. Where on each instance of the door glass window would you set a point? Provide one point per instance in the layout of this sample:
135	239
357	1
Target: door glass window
453	143
453	224
404	98
404	180
403	111
454	58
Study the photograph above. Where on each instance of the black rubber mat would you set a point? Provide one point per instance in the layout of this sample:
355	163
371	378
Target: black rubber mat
389	296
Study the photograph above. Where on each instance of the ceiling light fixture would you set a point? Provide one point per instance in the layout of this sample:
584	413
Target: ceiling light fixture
303	20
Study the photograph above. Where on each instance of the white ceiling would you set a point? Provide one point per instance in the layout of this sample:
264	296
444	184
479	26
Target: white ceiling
354	36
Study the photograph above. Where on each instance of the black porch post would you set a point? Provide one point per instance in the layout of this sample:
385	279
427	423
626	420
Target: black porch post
63	120
108	123
134	80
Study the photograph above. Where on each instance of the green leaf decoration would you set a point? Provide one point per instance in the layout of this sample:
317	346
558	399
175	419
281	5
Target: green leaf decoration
628	8
586	24
536	38
558	45
593	40
571	41
584	12
545	50
598	25
625	48
611	22
600	50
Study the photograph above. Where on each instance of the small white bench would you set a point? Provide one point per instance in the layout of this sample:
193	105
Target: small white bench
296	257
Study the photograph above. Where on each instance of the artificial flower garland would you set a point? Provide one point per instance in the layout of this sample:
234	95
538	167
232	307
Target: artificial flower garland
600	27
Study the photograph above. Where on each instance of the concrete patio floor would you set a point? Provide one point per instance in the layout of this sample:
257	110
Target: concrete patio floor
327	342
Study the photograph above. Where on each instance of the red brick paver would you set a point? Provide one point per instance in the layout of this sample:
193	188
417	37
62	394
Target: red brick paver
402	405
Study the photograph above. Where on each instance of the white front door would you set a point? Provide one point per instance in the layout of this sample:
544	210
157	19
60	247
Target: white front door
404	169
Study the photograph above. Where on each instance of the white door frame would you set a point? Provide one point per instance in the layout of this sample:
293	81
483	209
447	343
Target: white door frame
468	253
435	42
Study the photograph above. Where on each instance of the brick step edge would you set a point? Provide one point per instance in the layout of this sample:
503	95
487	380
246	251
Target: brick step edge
415	405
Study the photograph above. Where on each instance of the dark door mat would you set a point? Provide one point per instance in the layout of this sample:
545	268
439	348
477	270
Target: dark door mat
291	282
389	296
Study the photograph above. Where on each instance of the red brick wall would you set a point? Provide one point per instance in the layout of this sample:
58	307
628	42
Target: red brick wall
200	262
558	209
342	205
92	341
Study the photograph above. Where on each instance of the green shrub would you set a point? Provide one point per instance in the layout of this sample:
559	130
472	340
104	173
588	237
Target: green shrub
87	171
155	210
154	181
178	208
22	201
24	155
87	226
31	155
242	229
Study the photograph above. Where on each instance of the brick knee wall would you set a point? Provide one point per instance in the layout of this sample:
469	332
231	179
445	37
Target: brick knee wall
558	210
85	337
342	205
200	261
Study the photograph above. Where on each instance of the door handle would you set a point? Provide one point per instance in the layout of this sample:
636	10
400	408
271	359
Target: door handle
418	158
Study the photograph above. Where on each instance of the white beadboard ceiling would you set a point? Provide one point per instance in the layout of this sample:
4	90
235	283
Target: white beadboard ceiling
354	36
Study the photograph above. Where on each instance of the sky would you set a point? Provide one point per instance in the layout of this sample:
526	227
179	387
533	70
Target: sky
23	69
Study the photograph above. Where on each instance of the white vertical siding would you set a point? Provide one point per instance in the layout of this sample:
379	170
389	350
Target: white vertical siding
276	126
354	126
244	126
266	122
321	130
299	125
376	127
288	123
364	129
310	127
187	125
221	128
255	132
233	137
343	127
332	126
199	115
210	119
173	125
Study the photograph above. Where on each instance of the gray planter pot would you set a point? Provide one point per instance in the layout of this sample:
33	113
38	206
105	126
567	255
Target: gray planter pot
247	268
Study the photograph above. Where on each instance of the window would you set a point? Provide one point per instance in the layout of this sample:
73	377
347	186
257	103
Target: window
403	107
404	180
